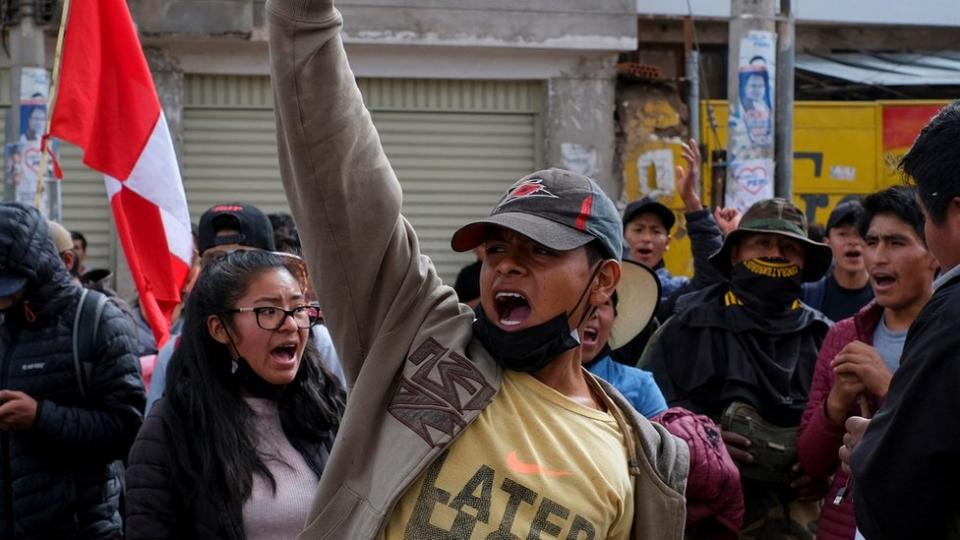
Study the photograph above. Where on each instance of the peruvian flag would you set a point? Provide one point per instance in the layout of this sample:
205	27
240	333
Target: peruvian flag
107	105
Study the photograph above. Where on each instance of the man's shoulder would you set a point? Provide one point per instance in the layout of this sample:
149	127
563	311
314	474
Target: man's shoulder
942	308
700	298
947	296
844	330
633	375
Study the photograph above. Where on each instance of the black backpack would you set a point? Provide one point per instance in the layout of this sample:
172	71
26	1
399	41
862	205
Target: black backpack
86	325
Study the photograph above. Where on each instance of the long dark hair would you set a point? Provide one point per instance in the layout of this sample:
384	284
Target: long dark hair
212	441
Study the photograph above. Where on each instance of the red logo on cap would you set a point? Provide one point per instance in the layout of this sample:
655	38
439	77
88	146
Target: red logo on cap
585	209
531	188
227	208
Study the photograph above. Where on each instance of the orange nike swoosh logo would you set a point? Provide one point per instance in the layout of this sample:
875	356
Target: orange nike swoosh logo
517	466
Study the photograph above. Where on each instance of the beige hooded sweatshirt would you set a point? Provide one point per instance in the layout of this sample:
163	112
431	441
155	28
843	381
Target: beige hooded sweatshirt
394	324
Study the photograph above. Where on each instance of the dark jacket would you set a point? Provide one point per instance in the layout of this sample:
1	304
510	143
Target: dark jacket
841	304
819	438
158	508
907	466
712	353
60	478
705	240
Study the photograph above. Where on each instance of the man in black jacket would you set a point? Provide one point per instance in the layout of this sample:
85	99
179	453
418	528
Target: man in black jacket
907	466
743	352
59	452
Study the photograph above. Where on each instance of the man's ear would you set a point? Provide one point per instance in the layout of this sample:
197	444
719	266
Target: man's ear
69	260
218	330
666	245
608	277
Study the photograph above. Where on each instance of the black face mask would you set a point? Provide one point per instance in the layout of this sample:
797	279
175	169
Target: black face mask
530	349
248	379
252	383
767	285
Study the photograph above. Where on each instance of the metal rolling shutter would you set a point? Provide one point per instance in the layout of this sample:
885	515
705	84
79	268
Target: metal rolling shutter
86	208
455	145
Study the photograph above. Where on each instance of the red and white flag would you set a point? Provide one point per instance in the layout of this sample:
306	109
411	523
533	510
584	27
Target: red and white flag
107	105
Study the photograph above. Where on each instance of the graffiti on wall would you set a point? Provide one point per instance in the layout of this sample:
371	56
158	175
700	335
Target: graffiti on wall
652	129
651	150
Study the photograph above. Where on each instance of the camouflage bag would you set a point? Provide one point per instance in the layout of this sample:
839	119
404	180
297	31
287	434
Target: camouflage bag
774	448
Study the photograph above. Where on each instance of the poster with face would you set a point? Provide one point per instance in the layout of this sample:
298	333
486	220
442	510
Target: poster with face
22	158
751	151
756	108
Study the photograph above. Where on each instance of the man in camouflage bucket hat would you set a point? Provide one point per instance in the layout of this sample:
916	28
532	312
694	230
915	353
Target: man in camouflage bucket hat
743	352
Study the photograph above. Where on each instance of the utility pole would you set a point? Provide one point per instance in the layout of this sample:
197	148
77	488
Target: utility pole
692	57
751	87
786	56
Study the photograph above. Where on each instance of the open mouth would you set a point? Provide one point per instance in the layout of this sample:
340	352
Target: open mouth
853	254
589	337
512	308
285	354
883	280
644	252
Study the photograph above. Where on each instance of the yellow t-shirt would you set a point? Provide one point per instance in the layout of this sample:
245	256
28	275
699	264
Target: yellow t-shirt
535	464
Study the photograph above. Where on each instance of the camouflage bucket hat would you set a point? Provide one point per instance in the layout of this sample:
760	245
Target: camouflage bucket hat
777	216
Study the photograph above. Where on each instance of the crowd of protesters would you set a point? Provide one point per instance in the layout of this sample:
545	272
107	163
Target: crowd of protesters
569	386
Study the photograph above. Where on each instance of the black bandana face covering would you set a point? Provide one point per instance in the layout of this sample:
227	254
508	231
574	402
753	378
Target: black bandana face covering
767	285
531	349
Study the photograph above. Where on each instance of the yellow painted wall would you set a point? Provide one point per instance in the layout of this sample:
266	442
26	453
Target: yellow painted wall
839	153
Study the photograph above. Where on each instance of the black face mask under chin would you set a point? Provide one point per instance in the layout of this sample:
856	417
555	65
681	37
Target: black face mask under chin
530	349
248	379
767	285
252	383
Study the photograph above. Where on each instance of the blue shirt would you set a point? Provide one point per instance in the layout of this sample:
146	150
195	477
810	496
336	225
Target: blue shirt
635	384
889	345
669	283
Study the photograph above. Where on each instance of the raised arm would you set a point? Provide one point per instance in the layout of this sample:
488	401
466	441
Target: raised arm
364	257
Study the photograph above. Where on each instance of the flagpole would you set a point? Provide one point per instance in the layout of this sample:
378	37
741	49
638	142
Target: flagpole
54	84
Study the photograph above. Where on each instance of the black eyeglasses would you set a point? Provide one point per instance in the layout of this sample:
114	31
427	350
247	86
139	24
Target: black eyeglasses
272	318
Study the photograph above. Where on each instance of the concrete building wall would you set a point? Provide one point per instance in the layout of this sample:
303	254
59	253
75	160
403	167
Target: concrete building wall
858	12
564	24
193	17
568	43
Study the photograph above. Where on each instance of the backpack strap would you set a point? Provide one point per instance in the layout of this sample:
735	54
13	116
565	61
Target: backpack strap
86	325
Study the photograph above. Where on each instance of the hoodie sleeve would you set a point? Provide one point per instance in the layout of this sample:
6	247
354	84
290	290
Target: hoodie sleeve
364	257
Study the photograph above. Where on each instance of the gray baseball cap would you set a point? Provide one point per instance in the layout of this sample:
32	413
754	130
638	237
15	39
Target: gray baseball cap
559	209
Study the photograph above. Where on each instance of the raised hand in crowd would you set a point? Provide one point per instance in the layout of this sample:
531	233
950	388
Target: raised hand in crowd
728	219
685	180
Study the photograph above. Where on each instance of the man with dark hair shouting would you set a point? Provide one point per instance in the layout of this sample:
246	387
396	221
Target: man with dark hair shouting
906	467
459	424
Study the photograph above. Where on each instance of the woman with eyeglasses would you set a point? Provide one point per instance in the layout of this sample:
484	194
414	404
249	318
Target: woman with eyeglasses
236	447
